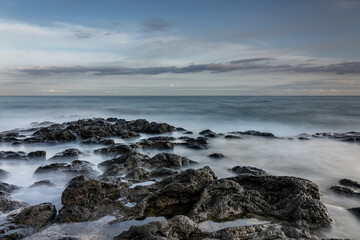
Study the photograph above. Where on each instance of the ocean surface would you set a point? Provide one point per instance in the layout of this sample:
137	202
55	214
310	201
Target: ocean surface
320	160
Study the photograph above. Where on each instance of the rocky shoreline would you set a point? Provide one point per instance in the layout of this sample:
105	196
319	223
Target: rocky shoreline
132	185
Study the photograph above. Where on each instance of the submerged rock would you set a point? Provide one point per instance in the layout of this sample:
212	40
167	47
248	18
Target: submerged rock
345	137
8	188
256	133
216	155
347	187
68	155
114	149
74	168
230	136
4	174
42	183
198	143
239	170
10	155
208	133
7	203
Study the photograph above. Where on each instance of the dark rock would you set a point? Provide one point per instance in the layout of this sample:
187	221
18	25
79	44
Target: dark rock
138	173
42	183
7	203
28	221
349	183
74	168
149	144
208	133
115	149
345	137
55	133
8	188
37	155
98	140
162	138
177	194
216	155
355	211
127	161
198	143
141	125
303	138
9	155
68	155
167	160
347	191
4	174
180	129
239	170
112	119
256	133
232	137
188	132
86	199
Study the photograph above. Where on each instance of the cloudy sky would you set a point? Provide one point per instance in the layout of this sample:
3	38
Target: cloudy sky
161	47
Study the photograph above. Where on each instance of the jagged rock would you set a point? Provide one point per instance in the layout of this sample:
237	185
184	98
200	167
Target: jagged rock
7	203
216	155
167	160
149	144
349	183
198	143
126	161
183	228
98	140
248	170
141	125
28	221
256	133
74	168
347	187
177	194
46	183
208	133
37	155
115	149
86	199
143	174
68	155
345	137
4	174
54	133
8	188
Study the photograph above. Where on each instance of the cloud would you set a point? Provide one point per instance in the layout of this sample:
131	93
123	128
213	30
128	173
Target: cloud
262	64
53	91
155	25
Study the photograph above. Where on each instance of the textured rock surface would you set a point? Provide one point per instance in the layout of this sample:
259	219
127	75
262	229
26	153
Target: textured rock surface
74	168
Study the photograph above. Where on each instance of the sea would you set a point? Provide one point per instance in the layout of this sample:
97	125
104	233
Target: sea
323	161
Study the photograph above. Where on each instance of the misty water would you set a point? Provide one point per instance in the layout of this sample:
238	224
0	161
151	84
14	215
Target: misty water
323	161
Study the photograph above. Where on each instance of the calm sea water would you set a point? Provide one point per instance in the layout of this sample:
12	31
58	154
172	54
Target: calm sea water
320	160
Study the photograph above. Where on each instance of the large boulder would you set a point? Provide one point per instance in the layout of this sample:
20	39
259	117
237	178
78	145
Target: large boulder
168	160
74	168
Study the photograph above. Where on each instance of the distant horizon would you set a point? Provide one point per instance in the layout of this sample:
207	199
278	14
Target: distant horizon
159	47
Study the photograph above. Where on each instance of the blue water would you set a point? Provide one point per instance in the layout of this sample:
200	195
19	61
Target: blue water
280	115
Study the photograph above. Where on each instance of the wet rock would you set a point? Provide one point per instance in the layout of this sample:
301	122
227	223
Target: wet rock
37	155
74	168
177	194
10	155
198	143
188	132
98	140
115	149
216	155
355	211
7	203
345	137
162	138
349	183
4	174
28	221
87	199
167	160
68	155
126	161
256	133
141	125
183	228
54	133
42	183
239	170
8	188
303	138
149	144
347	187
232	137
141	173
138	173
208	133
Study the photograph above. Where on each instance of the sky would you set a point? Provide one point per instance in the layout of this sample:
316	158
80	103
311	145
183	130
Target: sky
163	47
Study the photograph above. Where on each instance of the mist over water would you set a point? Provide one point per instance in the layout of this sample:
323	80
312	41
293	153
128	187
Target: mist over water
320	160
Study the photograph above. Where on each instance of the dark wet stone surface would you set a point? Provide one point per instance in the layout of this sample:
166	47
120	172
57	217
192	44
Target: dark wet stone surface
216	155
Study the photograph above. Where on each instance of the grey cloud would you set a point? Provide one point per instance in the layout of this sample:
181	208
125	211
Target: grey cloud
82	35
261	64
155	25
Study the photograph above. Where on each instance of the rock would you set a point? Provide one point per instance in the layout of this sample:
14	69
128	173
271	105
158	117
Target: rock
345	137
256	133
347	187
7	203
115	149
355	211
182	228
148	144
8	188
87	199
4	174
198	143
28	221
42	183
167	160
162	138
98	140
232	137
216	155
126	161
239	170
74	168
349	183
141	125
303	138
9	155
188	132
208	133
177	194
54	133
138	173
68	155
37	155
